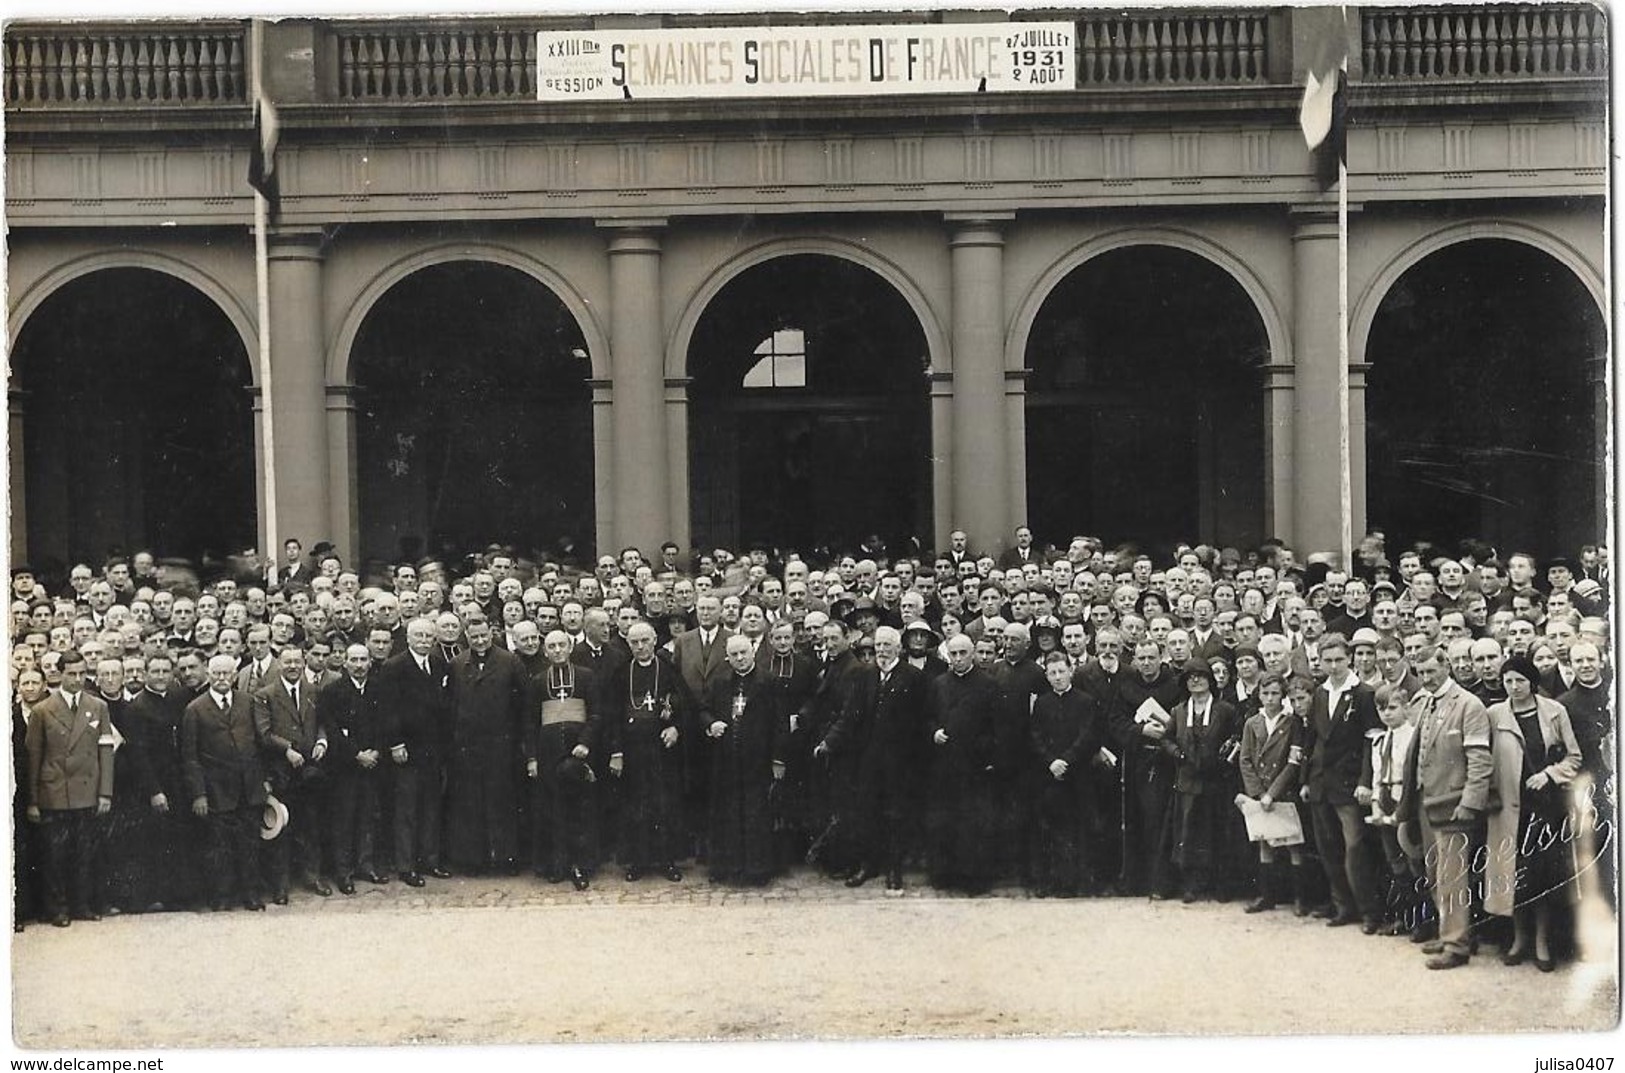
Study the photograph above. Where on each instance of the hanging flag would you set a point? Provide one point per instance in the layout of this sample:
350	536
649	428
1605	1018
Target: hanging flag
262	154
1322	37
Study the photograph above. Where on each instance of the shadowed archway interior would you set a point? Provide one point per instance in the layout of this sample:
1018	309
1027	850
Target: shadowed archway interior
810	424
1144	407
138	421
473	415
1483	418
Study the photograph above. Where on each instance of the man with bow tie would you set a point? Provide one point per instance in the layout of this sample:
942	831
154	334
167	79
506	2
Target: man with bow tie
220	759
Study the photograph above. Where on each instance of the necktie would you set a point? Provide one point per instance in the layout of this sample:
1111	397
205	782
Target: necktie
73	704
296	698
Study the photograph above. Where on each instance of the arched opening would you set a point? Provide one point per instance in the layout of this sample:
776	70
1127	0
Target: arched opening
1144	409
473	416
1481	406
138	421
810	424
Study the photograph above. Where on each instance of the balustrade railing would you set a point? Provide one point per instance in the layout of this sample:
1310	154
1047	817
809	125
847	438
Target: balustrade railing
146	65
1188	49
417	63
1527	41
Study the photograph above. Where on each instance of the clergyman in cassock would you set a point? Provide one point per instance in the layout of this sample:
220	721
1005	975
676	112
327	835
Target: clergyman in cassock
642	739
748	743
561	729
961	707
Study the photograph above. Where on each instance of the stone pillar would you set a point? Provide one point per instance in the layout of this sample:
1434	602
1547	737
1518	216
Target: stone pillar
677	462
344	517
1317	461
1357	498
1602	437
298	387
980	444
1278	443
603	466
640	494
1015	420
942	443
19	483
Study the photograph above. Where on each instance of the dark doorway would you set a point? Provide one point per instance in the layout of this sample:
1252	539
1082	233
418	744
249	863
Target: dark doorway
1144	407
810	424
1480	410
473	415
138	423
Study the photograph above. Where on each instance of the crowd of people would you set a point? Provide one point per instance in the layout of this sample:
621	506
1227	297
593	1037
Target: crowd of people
1423	747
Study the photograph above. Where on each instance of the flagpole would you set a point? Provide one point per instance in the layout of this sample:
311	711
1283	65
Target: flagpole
1345	460
262	298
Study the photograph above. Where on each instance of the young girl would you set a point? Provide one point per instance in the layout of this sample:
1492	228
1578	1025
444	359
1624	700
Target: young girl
1271	772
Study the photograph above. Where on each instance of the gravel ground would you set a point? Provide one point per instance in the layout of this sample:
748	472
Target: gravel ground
479	960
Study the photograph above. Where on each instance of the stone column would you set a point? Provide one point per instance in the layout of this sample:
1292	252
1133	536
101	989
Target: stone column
942	442
344	517
603	466
980	446
1317	461
1015	419
298	387
1278	443
640	494
19	484
677	461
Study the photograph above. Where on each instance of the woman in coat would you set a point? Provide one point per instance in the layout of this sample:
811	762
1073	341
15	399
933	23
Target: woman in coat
1529	843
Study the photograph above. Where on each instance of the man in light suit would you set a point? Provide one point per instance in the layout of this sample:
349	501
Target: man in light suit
69	784
1448	771
220	763
1342	714
293	744
701	658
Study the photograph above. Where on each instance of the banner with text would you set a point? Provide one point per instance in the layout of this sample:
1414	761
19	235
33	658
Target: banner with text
804	61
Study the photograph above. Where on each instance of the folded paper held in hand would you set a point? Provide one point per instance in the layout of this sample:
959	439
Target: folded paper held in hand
1278	826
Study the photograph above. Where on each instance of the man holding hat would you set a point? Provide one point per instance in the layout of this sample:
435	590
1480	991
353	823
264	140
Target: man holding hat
221	763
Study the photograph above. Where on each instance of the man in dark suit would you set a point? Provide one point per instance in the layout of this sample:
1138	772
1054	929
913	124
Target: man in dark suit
293	746
172	848
1342	713
349	713
1022	553
220	760
417	711
488	688
701	659
883	727
69	785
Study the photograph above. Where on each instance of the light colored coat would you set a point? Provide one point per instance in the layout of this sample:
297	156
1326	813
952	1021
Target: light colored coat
1505	826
